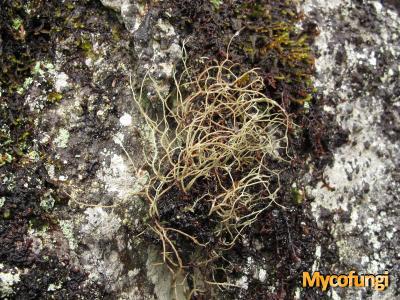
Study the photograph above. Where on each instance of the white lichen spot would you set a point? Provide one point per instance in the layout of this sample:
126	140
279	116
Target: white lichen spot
67	227
53	287
113	4
317	255
62	178
389	235
364	260
61	81
51	171
262	275
297	294
378	6
45	138
100	223
117	176
7	280
119	138
61	140
243	282
372	59
47	202
2	201
126	119
133	273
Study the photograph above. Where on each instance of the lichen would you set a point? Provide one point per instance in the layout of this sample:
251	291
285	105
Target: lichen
61	140
2	201
7	281
47	202
67	227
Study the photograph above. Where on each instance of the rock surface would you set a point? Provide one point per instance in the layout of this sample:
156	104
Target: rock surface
94	140
358	75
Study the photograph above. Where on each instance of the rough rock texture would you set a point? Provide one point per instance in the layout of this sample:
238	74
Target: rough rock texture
81	239
358	77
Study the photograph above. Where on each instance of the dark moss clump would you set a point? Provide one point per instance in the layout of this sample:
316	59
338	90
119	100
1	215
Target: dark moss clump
270	39
280	49
25	38
30	32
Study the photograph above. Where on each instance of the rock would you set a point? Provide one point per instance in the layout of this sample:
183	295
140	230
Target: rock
363	179
70	214
114	4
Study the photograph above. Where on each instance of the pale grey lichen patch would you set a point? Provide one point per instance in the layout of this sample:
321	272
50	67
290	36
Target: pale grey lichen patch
51	171
356	71
117	175
54	287
101	224
61	140
166	52
2	201
7	280
156	42
113	4
100	234
47	201
133	13
125	119
162	279
67	227
61	81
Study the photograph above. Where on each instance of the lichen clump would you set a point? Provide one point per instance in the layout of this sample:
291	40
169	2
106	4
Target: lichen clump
216	168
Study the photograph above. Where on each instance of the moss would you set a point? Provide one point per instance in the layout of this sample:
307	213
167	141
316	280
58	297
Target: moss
274	37
216	3
16	23
26	28
54	97
6	214
85	44
298	195
276	42
5	158
27	78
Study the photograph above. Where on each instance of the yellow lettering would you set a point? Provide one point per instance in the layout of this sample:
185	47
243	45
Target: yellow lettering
325	282
379	282
369	280
332	283
359	281
352	277
343	281
308	282
386	279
